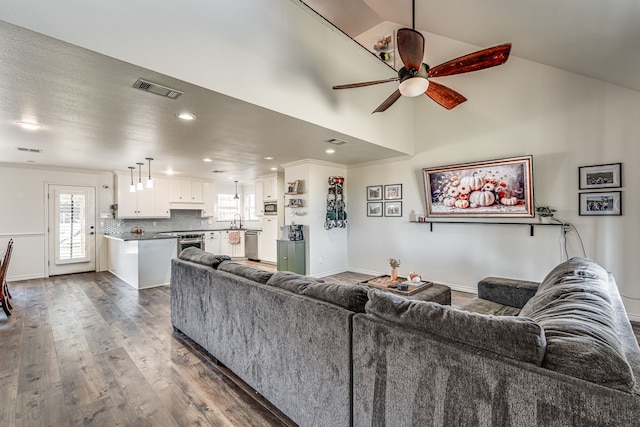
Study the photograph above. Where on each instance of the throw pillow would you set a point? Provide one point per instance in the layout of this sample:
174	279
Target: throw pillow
292	282
199	256
351	297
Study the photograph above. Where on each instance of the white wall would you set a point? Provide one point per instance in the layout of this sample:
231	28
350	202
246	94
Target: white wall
326	249
565	121
23	218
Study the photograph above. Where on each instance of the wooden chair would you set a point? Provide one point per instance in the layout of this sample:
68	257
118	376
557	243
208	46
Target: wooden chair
5	295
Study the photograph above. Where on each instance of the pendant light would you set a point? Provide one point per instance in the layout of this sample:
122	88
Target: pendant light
236	197
139	186
149	180
132	187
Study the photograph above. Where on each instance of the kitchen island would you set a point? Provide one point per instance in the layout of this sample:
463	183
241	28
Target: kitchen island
141	260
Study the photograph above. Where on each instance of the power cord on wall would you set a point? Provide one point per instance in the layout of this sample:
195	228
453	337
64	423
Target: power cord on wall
566	228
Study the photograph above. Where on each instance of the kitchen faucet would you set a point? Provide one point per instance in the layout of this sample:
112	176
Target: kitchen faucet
234	225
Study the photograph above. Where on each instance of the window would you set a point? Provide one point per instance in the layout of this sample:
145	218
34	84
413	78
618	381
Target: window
71	229
250	207
227	207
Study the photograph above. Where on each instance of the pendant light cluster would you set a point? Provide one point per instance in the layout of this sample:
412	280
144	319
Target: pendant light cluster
139	187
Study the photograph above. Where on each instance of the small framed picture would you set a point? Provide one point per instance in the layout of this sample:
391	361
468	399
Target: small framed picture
392	208
601	203
601	176
374	192
374	209
393	192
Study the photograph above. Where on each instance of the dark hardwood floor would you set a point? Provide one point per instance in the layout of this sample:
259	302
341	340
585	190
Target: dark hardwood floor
89	350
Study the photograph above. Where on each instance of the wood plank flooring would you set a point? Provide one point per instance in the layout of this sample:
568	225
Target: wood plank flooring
89	350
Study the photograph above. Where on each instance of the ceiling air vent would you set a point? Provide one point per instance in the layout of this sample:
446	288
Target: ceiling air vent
336	141
30	150
157	89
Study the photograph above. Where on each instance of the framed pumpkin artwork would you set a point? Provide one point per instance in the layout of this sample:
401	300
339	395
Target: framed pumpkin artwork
496	188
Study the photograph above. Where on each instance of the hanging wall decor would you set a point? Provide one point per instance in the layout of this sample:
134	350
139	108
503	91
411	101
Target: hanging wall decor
336	214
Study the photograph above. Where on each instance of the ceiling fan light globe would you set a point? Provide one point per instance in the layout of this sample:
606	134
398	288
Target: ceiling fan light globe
414	86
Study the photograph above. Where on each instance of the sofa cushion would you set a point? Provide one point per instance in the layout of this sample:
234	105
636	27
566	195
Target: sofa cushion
514	337
246	271
291	281
574	308
199	256
351	297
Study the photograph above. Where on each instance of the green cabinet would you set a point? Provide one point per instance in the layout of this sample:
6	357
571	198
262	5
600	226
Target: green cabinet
291	256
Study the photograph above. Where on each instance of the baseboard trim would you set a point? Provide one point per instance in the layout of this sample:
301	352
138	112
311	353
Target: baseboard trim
25	277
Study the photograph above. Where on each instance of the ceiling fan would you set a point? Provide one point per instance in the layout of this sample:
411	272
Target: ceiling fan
414	76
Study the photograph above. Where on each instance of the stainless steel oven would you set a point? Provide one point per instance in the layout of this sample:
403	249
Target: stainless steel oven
190	240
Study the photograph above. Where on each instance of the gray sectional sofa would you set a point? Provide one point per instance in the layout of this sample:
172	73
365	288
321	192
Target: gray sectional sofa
559	353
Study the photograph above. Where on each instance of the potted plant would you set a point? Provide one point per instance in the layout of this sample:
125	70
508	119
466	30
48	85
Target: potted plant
394	264
545	213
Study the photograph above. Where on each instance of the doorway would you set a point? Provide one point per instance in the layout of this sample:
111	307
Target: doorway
71	229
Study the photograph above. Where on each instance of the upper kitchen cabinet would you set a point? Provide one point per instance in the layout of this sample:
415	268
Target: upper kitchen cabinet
181	191
272	187
208	197
147	203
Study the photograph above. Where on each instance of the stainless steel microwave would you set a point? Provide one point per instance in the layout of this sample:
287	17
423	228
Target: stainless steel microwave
271	208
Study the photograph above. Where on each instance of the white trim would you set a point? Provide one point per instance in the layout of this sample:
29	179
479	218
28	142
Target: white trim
314	162
12	235
634	317
25	277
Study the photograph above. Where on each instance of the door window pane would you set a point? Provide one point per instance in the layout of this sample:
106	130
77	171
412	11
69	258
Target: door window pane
71	227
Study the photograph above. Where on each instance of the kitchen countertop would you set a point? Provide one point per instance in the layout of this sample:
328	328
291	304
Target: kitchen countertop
143	236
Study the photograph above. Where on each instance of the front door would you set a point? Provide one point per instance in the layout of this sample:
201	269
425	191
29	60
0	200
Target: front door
72	239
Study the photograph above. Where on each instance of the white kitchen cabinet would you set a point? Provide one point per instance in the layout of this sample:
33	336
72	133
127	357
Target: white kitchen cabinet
233	250
182	191
269	240
270	187
213	242
259	196
161	193
207	195
147	203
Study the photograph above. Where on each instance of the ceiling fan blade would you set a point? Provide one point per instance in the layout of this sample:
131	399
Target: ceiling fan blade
444	96
485	58
374	82
411	48
388	102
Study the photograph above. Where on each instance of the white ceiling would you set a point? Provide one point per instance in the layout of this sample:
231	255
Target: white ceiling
94	119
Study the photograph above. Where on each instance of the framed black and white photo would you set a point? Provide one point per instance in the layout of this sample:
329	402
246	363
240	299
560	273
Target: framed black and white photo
601	203
374	209
601	176
374	192
392	208
393	192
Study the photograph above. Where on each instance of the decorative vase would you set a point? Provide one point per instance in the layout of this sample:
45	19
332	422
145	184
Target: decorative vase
394	274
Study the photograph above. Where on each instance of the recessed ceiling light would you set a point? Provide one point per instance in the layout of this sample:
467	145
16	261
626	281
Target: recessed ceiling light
29	125
274	169
268	158
186	116
329	151
206	159
170	172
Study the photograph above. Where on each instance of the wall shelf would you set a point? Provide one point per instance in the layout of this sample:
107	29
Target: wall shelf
531	225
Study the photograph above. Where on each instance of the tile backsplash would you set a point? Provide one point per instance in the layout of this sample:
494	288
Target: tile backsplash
181	220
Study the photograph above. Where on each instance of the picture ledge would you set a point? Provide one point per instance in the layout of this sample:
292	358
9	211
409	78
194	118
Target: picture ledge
530	224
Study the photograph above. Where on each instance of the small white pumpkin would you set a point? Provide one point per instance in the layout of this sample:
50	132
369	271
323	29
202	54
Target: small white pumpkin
482	198
449	201
509	201
473	182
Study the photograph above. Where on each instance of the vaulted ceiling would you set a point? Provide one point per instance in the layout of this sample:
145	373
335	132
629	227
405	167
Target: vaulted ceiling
93	119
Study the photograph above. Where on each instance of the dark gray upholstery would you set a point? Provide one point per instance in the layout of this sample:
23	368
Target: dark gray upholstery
573	305
509	292
351	297
514	337
199	256
479	305
293	350
246	271
291	281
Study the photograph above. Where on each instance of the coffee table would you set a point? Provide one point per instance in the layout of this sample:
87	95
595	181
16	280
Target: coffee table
429	291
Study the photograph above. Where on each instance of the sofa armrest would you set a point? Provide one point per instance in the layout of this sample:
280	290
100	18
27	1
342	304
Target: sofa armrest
511	292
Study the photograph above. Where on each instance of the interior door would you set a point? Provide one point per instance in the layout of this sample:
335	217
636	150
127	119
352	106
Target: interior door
72	238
